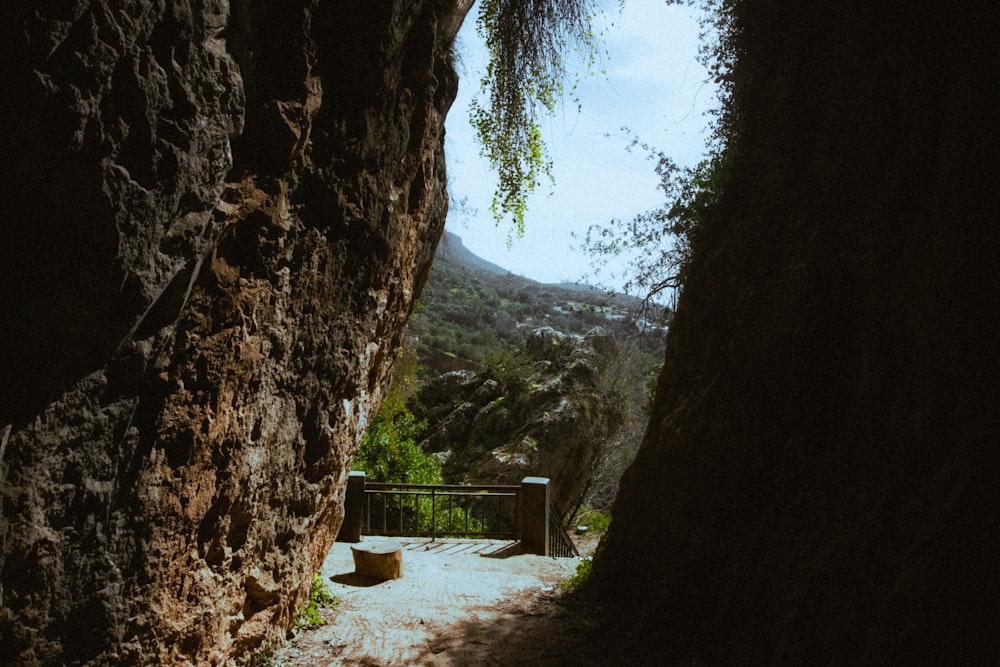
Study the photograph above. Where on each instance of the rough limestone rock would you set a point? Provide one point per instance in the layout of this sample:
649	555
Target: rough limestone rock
216	216
819	480
551	420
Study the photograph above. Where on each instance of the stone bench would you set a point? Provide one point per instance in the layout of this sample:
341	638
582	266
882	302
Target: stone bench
378	560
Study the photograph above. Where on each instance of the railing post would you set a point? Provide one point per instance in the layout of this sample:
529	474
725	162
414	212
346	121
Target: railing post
533	522
354	508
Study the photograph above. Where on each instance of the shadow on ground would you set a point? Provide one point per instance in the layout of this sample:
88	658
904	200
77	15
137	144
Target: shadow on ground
550	630
356	580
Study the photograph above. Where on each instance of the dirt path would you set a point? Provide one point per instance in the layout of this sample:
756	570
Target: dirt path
448	609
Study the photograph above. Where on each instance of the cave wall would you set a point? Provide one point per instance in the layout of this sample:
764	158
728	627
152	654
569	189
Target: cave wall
216	217
818	480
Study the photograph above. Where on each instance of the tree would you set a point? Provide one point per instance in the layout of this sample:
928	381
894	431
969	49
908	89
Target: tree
527	41
658	241
389	451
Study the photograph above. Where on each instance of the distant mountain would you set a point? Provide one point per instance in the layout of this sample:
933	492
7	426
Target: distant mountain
453	254
471	309
451	250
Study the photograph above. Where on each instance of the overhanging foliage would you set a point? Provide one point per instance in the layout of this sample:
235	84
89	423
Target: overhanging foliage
527	41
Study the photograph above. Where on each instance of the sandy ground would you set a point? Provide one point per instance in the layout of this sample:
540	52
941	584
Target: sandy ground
453	606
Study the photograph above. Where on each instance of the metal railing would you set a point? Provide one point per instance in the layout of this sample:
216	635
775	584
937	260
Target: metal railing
560	543
441	510
506	512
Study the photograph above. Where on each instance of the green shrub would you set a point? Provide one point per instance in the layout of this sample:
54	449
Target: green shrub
412	514
596	521
389	451
319	597
455	521
512	371
583	570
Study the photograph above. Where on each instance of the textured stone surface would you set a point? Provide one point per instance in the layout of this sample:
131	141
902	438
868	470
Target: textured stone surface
819	481
216	218
554	423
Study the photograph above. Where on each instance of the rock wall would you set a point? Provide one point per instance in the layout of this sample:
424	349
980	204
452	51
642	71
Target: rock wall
552	414
818	481
216	217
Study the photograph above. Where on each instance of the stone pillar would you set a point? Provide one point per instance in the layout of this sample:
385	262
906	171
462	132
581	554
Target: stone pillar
533	522
354	508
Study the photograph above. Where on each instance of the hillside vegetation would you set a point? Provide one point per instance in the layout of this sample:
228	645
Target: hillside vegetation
471	310
520	378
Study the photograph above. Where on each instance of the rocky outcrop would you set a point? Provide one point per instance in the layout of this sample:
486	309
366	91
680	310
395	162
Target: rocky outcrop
217	215
818	484
548	413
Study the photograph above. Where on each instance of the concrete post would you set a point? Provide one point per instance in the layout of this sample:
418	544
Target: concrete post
354	508
533	523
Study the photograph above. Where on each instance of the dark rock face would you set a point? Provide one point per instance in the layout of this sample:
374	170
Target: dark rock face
819	480
216	218
554	423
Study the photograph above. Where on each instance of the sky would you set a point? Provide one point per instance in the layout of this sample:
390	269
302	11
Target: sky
653	84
